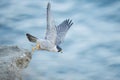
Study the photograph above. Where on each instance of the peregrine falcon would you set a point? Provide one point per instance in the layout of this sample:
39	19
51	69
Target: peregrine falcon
54	34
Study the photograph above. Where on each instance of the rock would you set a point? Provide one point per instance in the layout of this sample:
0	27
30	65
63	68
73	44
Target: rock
12	61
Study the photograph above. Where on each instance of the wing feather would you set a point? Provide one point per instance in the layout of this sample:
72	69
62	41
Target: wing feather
62	29
51	29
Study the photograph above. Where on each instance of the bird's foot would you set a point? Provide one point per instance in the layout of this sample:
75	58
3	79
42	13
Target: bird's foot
38	46
33	49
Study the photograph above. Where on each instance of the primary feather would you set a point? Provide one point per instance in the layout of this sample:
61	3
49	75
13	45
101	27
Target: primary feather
62	30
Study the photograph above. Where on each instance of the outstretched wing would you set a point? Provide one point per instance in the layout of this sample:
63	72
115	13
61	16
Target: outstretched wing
62	30
51	29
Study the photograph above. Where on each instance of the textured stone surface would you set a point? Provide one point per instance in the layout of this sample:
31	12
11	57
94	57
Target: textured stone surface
12	61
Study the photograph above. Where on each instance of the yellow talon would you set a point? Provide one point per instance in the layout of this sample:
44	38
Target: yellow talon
37	47
33	49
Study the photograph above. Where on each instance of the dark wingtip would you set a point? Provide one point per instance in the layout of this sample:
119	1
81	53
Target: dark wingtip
48	5
31	38
69	21
27	34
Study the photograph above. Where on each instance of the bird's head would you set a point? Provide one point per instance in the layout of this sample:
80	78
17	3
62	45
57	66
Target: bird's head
59	49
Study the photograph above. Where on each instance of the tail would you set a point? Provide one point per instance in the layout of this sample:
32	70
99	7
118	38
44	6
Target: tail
31	38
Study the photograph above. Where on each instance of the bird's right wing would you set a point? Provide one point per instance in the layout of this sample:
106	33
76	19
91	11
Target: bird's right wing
62	30
51	29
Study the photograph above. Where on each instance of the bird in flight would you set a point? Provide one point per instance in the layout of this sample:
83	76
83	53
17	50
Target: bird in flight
54	34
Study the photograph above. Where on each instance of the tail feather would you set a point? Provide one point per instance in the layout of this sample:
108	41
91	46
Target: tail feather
31	38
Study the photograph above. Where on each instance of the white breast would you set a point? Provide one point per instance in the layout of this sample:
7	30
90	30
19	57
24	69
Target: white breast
54	49
47	45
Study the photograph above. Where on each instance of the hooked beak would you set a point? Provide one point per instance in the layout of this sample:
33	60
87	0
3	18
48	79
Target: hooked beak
61	51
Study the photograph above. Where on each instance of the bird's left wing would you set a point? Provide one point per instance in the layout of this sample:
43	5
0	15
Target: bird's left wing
51	29
62	30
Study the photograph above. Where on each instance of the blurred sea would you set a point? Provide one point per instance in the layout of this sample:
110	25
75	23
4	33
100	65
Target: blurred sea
91	47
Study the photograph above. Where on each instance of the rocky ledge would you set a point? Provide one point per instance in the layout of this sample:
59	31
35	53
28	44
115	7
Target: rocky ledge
12	61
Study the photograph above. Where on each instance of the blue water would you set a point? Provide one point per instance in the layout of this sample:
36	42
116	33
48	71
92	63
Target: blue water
91	47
